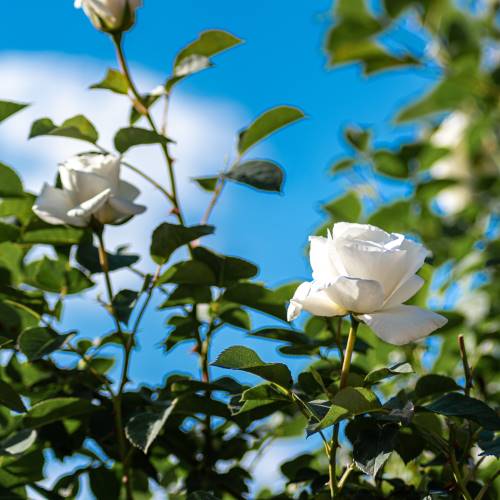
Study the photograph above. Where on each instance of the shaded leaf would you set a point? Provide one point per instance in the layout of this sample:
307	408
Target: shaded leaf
245	359
123	304
77	127
10	398
10	183
260	174
435	384
346	208
168	237
376	376
37	342
207	183
52	410
144	428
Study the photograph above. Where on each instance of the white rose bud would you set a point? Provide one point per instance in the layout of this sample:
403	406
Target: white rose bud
111	16
362	270
91	188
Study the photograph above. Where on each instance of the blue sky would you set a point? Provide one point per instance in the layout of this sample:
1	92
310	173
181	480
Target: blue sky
281	62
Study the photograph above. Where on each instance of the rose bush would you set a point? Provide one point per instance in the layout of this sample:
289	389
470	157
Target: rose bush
91	188
361	270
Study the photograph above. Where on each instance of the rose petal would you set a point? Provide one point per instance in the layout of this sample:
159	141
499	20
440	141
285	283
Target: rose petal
403	324
82	185
320	255
126	207
356	295
404	292
52	206
314	300
127	191
91	206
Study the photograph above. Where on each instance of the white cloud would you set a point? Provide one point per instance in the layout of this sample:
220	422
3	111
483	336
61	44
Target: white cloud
56	85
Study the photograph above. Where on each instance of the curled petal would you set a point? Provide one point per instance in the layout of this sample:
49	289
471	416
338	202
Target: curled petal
356	295
52	206
127	191
82	184
404	292
313	299
91	206
126	207
403	324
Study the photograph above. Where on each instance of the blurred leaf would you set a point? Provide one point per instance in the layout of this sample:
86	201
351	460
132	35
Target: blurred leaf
358	138
10	183
207	183
458	405
435	384
346	208
37	342
168	237
129	137
392	217
55	409
260	174
144	428
10	398
190	272
114	81
38	231
201	495
342	165
376	376
8	108
104	483
388	163
267	123
77	127
243	358
87	256
123	304
8	232
490	448
18	443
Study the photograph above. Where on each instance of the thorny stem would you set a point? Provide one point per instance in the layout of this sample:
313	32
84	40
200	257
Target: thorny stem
344	375
117	398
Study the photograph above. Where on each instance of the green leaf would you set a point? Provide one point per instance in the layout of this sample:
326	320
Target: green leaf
206	183
201	495
144	428
77	127
87	256
388	163
459	405
43	233
373	447
376	376
392	217
55	276
168	237
8	108
227	269
191	272
342	165
123	304
10	183
260	174
8	232
346	208
129	137
347	403
18	443
10	398
245	359
55	409
358	138
433	384
490	448
266	124
105	483
257	297
114	81
208	44
37	342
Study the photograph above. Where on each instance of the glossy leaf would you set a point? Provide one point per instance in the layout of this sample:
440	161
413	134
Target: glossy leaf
260	174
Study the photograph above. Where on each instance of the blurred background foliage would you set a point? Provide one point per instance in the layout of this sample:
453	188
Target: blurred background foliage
433	434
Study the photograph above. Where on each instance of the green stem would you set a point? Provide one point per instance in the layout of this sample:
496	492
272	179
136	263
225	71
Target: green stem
142	108
344	376
117	398
458	476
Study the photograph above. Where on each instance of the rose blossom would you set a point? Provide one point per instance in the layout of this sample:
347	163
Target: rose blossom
91	187
361	270
110	15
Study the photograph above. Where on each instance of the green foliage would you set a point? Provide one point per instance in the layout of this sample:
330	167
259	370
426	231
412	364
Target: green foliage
413	421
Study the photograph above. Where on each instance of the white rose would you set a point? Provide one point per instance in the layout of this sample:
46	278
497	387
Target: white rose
362	270
110	15
91	187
